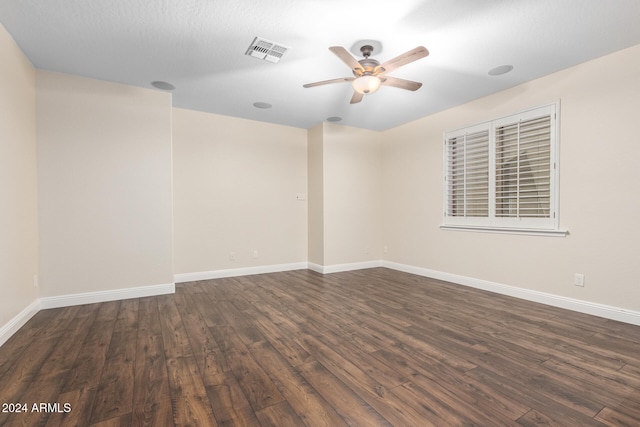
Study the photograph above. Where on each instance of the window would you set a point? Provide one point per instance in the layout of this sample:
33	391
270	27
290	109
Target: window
503	174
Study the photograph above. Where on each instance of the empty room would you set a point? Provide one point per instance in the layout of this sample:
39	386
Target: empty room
319	213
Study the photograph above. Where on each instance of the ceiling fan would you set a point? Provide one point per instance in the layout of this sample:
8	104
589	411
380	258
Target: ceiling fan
369	74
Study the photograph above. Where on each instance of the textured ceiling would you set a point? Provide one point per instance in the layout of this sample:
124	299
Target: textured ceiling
199	45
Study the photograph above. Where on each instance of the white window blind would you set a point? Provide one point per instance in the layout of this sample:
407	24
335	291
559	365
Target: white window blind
468	174
523	169
503	173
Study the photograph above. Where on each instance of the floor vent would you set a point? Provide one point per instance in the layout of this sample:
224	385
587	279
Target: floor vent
267	50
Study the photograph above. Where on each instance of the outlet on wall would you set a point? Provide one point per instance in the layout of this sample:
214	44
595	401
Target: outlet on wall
578	279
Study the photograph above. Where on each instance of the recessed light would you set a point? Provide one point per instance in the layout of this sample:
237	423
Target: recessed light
263	105
502	69
162	85
334	119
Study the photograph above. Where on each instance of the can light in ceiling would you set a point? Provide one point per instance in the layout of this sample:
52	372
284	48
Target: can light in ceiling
334	119
499	70
262	105
162	85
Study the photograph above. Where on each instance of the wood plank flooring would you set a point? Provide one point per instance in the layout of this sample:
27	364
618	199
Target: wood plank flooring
372	347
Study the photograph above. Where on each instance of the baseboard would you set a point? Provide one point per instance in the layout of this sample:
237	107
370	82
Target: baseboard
337	268
104	296
18	321
595	309
234	272
246	271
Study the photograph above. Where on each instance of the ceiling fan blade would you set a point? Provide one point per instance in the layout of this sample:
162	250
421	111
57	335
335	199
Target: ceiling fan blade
346	57
326	82
400	60
357	97
400	83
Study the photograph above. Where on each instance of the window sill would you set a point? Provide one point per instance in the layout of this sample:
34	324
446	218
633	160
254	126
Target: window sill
522	231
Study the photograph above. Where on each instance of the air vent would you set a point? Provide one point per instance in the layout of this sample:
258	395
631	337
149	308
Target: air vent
267	50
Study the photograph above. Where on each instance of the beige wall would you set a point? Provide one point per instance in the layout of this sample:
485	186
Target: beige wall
104	176
315	191
235	187
352	197
599	197
18	181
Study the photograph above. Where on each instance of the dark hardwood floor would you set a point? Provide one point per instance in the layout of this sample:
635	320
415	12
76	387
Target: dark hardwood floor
369	348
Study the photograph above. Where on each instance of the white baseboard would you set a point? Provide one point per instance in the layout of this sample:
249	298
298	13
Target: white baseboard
246	271
18	321
104	296
235	272
315	267
11	327
337	268
595	309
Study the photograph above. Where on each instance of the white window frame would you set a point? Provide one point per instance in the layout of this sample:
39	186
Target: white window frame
492	222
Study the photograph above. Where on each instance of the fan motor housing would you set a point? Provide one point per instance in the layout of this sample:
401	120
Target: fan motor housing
368	65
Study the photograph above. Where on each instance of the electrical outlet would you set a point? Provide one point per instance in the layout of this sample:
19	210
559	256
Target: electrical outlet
578	279
255	253
36	281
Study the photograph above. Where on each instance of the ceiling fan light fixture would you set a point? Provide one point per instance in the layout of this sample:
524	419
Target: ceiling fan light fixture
366	84
369	74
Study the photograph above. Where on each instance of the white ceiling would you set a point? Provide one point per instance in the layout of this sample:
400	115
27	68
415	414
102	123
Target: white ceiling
199	47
